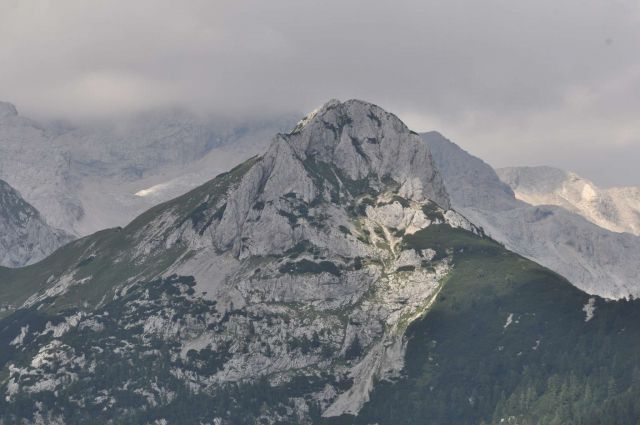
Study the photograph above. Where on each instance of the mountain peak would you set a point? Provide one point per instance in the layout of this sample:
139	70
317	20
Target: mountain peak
7	110
365	142
336	112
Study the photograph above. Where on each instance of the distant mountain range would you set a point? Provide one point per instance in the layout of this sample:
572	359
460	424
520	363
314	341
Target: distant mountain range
331	280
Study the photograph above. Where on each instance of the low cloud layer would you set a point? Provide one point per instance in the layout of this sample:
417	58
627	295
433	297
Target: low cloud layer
516	83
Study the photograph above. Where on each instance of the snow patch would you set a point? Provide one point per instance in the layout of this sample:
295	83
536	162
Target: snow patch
153	190
589	309
509	321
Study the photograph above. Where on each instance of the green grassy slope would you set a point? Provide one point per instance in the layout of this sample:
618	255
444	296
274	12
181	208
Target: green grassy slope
548	366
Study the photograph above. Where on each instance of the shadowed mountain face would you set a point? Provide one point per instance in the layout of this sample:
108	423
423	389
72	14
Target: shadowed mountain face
25	237
594	259
305	286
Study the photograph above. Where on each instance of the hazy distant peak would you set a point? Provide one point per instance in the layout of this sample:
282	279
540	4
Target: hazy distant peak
616	209
7	110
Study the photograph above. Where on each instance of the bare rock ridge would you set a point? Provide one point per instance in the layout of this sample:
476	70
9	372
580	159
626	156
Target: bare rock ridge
366	142
472	182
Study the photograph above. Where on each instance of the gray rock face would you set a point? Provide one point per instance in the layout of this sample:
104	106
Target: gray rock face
365	142
299	194
592	258
24	235
340	150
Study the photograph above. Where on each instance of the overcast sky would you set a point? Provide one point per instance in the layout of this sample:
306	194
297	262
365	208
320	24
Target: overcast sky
522	82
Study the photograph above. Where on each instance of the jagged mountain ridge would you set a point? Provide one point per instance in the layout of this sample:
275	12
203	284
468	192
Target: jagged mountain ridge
98	175
616	209
594	259
25	237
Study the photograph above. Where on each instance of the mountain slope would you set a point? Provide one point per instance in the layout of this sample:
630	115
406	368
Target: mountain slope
290	290
596	260
509	342
472	182
94	176
615	209
295	251
25	237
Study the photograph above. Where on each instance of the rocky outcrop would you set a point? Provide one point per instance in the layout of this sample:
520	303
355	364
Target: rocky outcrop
339	152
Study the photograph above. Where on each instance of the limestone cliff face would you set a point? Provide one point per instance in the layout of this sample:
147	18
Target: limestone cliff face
366	142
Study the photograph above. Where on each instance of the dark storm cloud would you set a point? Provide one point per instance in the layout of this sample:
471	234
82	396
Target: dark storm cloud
516	82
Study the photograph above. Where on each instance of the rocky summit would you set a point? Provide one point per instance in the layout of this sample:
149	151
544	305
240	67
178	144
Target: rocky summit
326	281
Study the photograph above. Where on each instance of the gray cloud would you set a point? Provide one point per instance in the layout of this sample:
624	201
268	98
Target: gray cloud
517	83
